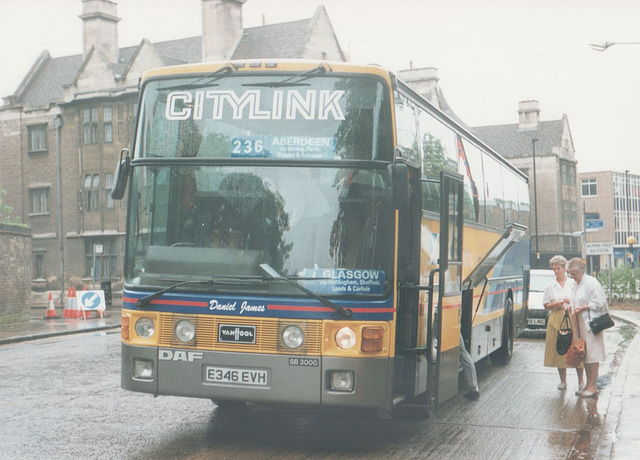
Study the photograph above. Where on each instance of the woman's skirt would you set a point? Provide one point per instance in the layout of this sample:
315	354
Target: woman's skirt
551	356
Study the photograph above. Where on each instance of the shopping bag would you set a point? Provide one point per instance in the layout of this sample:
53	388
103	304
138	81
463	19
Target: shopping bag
565	335
575	353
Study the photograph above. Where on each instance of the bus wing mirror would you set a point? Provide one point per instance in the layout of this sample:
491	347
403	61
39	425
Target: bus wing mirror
121	175
400	185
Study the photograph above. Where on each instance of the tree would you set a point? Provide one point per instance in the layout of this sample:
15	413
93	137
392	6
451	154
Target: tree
5	212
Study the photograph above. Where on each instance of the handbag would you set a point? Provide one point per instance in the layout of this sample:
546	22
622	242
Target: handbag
600	323
575	353
565	335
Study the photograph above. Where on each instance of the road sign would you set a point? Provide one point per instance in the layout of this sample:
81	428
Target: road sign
596	249
91	300
593	225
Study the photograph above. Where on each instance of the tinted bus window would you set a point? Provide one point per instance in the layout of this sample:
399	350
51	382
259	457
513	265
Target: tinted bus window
494	202
265	116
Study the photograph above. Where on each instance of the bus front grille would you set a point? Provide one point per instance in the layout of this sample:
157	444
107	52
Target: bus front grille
268	333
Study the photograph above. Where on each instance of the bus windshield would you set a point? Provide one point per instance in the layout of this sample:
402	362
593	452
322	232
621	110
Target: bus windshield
328	225
275	115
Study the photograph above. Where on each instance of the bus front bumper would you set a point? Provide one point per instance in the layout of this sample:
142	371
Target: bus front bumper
258	378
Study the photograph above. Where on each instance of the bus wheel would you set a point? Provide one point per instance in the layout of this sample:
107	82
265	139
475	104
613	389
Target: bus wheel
502	356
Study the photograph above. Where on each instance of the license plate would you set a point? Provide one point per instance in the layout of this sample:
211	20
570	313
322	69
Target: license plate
234	376
535	321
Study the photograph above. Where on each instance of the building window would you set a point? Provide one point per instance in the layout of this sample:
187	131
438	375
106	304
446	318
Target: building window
38	138
568	173
101	259
107	125
570	244
589	187
39	198
108	185
38	267
92	192
90	119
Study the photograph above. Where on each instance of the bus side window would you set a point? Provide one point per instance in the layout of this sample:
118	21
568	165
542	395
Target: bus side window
407	130
430	195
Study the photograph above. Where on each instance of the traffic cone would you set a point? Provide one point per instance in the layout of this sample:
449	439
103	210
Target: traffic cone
67	306
74	303
51	309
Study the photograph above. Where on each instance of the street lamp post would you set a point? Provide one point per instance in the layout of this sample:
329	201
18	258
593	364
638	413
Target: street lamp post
629	235
535	197
606	45
58	122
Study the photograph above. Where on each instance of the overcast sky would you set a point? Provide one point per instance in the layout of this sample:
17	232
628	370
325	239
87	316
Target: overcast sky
490	54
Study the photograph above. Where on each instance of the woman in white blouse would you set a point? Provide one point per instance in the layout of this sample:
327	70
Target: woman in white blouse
556	296
588	301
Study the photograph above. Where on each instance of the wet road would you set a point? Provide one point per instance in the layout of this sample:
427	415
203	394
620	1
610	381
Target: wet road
61	398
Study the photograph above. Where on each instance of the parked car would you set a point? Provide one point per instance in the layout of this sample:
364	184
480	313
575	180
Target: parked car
538	316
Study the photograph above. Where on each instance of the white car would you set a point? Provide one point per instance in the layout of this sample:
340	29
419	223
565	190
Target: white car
538	316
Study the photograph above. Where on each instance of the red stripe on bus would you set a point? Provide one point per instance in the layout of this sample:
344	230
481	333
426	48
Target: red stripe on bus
302	308
183	303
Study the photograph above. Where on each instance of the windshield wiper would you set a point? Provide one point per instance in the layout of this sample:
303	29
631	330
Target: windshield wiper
146	300
300	77
199	83
273	275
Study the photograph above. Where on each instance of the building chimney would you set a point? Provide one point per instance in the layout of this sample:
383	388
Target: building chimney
221	28
100	27
529	112
424	81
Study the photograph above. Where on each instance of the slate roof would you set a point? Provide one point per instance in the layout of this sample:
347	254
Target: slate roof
45	83
512	142
286	40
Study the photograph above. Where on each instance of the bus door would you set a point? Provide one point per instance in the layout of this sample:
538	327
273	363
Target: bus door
444	331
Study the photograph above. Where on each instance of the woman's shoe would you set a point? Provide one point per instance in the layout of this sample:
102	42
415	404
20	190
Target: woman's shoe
562	386
588	394
579	392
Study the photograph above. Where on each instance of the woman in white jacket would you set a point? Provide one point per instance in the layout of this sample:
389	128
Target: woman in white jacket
588	301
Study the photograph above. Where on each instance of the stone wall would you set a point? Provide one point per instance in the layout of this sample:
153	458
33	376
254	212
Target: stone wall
15	273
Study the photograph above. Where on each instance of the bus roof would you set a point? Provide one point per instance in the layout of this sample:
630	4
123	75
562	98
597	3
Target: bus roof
275	65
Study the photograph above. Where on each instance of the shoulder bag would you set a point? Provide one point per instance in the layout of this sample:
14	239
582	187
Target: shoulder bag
576	351
600	323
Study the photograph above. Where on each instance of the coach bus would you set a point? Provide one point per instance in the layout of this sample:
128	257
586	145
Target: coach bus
315	234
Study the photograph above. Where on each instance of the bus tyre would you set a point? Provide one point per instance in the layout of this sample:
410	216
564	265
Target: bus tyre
502	356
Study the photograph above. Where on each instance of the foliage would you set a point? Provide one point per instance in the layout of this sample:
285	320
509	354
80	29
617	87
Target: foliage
5	214
5	211
624	282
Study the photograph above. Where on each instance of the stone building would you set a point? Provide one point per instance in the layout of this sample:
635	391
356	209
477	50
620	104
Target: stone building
556	215
612	204
64	126
15	273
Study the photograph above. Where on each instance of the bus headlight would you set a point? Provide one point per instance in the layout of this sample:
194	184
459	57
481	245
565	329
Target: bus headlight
292	336
145	328
345	338
185	330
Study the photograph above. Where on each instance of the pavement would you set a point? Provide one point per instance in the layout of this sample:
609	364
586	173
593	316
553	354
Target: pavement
40	328
620	434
